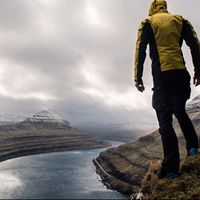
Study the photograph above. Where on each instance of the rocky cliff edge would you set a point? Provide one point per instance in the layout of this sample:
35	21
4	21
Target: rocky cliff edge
125	167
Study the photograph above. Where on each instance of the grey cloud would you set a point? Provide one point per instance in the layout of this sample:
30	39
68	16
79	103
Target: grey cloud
52	43
14	15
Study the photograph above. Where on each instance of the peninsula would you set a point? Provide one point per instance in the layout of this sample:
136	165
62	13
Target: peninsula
44	132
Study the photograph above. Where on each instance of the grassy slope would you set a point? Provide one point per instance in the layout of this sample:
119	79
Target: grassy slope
187	186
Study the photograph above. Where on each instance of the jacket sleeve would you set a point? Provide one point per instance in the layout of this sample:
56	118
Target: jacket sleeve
140	50
191	39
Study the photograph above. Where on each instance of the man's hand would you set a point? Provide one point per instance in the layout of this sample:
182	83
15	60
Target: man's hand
140	87
196	80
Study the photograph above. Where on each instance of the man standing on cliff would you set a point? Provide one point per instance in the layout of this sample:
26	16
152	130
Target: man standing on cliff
165	32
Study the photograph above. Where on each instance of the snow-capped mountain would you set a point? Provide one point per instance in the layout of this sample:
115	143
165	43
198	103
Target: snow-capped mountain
194	105
193	109
45	119
47	116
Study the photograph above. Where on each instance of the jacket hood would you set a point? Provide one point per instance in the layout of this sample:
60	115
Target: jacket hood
158	6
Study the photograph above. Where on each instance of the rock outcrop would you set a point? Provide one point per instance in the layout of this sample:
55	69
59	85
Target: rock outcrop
129	163
46	131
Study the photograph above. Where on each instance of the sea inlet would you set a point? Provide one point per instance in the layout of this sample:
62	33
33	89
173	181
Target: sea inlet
62	175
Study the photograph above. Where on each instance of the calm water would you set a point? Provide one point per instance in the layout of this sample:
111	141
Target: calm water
65	175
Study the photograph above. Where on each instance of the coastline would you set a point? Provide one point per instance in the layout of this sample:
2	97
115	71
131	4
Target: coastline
112	182
38	150
128	163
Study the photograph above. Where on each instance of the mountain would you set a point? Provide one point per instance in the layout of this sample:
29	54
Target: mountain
194	106
125	167
7	119
45	119
42	120
11	117
46	131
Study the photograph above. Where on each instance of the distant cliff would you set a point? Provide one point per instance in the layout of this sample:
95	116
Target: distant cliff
128	164
44	132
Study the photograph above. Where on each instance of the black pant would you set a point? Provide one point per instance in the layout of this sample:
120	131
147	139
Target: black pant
169	98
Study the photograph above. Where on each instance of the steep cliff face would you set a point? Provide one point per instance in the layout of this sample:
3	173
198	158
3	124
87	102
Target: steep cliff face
130	162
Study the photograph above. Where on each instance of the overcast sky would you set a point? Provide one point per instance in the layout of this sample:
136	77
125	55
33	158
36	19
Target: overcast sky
76	57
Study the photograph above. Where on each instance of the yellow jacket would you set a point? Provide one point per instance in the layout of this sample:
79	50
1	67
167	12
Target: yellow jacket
165	32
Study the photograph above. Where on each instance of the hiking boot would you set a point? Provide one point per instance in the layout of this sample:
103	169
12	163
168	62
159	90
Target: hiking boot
172	175
169	175
193	152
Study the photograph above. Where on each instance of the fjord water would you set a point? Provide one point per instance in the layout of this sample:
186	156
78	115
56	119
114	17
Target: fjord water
63	175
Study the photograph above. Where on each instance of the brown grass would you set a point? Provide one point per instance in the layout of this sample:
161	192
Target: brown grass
187	186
